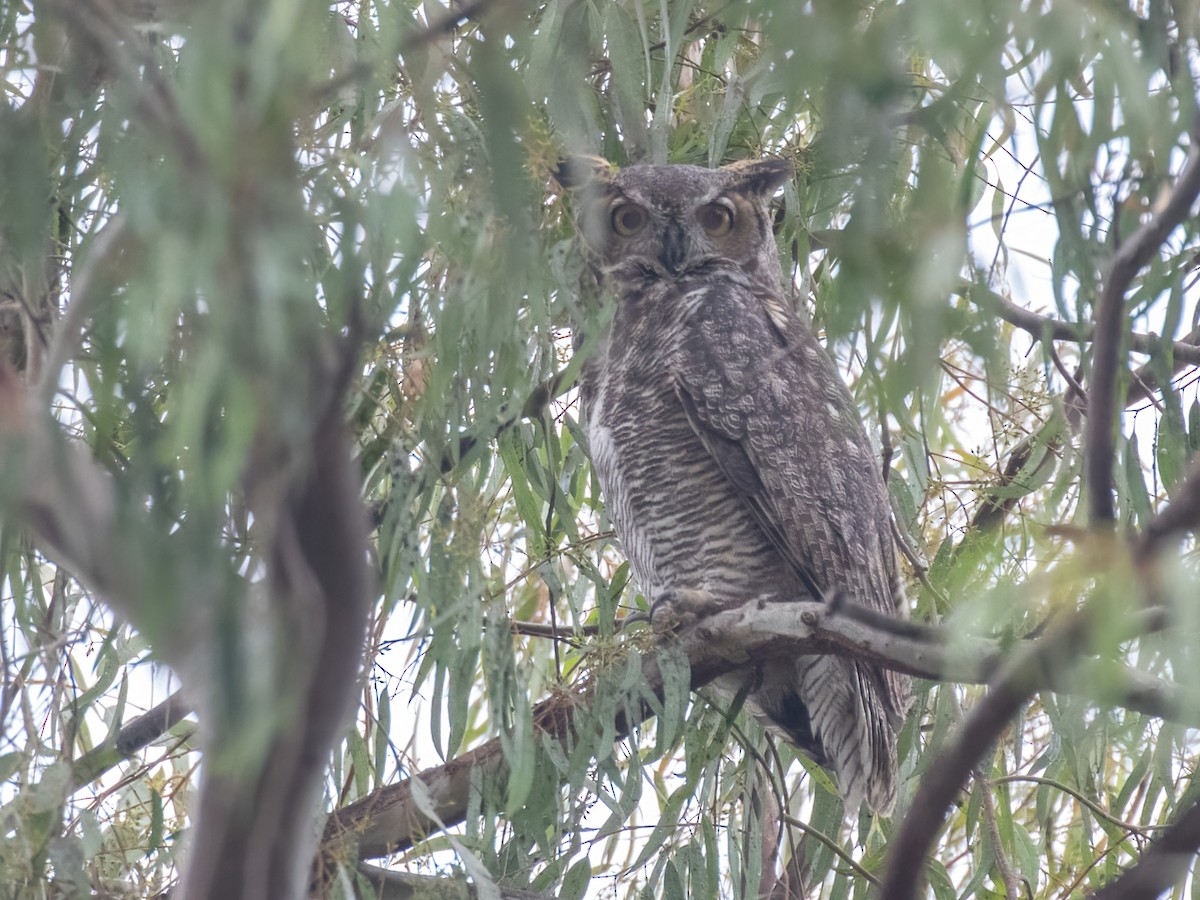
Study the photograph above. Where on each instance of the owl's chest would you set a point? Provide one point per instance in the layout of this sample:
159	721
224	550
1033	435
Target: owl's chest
680	521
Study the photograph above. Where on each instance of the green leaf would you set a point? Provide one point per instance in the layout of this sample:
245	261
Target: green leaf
1172	445
361	760
629	76
518	463
383	730
1132	488
575	883
156	823
10	764
672	886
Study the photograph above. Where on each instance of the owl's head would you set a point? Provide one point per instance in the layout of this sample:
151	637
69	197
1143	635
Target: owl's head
669	222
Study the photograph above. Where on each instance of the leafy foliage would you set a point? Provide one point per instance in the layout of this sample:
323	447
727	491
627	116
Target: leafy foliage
966	171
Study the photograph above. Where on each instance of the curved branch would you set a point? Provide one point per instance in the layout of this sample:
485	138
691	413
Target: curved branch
1080	798
388	820
445	25
1100	445
1181	516
833	846
1018	681
1042	326
1163	865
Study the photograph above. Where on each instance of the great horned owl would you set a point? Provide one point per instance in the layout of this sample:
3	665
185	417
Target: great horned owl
731	456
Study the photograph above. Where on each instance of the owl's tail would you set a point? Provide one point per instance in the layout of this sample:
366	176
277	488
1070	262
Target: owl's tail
851	720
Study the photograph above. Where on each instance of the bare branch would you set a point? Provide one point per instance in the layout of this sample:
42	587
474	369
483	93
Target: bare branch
389	821
1100	446
994	508
133	736
1162	866
1039	326
1016	683
447	24
1081	799
1143	382
67	497
253	834
1043	327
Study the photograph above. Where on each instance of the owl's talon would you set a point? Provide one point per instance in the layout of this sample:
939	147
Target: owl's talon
682	607
836	600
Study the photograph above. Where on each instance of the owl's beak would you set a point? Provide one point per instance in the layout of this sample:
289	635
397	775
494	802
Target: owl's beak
674	248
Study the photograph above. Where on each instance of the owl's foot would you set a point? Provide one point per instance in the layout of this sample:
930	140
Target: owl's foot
679	608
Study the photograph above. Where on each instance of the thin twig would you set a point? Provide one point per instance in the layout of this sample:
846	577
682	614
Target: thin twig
1095	808
445	25
1067	375
540	629
832	845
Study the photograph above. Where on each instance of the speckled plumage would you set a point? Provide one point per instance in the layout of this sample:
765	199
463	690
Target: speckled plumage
732	458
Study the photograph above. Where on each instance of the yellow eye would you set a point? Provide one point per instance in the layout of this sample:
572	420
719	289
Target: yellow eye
716	219
628	219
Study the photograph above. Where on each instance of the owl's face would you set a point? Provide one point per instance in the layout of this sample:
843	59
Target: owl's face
671	222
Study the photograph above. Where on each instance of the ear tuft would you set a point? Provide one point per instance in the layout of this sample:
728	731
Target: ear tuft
762	177
576	170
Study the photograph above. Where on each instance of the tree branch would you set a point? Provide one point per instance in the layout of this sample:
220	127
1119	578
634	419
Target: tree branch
68	498
389	820
1162	866
133	736
1144	381
1042	327
391	885
1100	444
1182	515
446	24
1017	682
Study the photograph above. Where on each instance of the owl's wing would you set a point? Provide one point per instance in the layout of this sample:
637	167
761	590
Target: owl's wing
770	408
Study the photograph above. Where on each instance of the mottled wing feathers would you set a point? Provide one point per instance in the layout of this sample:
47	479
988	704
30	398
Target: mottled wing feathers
784	431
